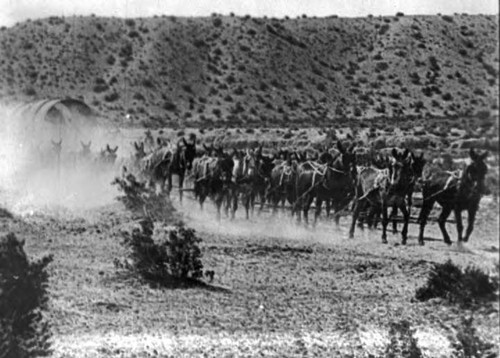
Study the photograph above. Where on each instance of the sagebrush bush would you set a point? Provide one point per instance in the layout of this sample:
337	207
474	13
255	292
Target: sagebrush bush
468	344
170	256
402	341
463	287
24	331
143	200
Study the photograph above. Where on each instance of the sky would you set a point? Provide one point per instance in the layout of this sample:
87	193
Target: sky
12	11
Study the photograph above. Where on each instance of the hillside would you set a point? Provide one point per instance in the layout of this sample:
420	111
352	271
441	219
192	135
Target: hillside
168	70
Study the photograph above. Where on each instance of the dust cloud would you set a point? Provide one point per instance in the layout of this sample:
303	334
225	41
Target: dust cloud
35	178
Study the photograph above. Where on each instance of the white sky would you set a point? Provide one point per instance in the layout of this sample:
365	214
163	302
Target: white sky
12	11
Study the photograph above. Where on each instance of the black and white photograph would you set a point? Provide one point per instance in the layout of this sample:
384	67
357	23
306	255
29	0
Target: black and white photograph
259	178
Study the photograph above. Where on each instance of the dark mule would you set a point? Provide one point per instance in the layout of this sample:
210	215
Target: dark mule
181	161
264	167
281	186
339	181
454	193
417	164
211	177
381	188
244	175
330	182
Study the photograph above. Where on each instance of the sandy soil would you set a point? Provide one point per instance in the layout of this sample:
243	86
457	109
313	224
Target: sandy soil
279	290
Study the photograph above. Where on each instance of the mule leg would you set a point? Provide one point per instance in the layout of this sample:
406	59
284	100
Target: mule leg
394	214
471	217
422	218
181	183
406	216
385	221
317	212
355	214
442	223
234	203
460	226
308	200
169	185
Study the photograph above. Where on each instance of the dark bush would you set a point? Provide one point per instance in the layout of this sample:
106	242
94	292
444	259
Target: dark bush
217	21
468	343
24	331
447	18
449	282
110	60
111	97
402	341
171	257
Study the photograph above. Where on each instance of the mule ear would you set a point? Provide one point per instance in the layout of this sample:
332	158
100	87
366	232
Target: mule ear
114	150
107	147
340	147
406	153
351	148
184	141
484	155
395	153
472	154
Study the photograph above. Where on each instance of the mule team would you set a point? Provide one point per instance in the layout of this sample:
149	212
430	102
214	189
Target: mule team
331	176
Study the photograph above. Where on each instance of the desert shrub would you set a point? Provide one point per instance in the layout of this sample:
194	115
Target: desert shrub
29	91
110	60
447	18
447	96
383	29
381	66
111	97
130	22
402	341
24	331
170	256
217	22
469	344
463	287
142	200
400	14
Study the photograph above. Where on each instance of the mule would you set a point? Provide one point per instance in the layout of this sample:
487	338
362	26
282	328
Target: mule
382	188
332	182
454	192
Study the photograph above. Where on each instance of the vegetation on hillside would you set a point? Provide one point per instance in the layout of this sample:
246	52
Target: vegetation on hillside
265	71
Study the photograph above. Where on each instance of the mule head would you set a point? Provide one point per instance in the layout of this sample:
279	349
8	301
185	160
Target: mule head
57	146
476	171
417	164
347	159
189	151
400	169
86	147
139	150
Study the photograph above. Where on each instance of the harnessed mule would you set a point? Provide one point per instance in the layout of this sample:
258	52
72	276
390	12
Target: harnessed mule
332	181
454	192
382	188
244	175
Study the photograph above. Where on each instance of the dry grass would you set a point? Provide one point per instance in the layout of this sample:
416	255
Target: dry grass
278	289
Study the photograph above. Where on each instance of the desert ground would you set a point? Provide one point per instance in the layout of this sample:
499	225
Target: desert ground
279	289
